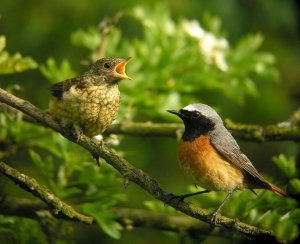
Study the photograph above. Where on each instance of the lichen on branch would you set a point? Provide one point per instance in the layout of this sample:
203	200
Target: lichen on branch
31	185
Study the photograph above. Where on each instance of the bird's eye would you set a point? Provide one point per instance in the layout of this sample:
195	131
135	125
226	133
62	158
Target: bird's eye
107	65
196	115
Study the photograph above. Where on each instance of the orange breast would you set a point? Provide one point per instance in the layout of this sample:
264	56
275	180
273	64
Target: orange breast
207	168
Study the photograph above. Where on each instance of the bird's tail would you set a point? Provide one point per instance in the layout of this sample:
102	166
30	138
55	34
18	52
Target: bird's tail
277	190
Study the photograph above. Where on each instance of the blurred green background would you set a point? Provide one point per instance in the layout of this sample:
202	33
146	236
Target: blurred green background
43	29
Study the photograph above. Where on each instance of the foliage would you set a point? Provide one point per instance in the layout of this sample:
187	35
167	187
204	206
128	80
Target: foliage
71	173
13	63
175	62
54	72
289	168
189	61
17	230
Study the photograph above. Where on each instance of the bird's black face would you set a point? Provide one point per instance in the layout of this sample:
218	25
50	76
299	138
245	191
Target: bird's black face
112	69
196	124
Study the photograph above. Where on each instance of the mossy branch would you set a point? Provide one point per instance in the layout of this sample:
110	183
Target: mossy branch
31	185
133	174
127	217
285	131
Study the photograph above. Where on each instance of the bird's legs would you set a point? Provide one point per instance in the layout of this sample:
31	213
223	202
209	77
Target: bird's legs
216	212
182	197
100	140
77	132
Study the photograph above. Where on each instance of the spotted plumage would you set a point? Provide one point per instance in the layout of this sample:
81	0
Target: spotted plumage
90	101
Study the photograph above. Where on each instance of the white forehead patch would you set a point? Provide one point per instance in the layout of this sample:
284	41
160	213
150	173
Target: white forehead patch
205	110
190	108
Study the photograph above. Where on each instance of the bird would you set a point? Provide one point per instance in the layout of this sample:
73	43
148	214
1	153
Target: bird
90	102
211	156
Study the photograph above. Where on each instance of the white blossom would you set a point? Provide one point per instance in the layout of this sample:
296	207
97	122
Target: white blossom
212	48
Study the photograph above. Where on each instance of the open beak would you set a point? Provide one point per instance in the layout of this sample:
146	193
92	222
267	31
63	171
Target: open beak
119	70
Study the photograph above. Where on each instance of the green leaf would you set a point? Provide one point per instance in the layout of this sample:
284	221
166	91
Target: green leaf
294	216
89	38
14	63
55	72
247	45
269	219
104	218
2	43
158	206
286	230
35	157
294	186
21	230
287	165
45	164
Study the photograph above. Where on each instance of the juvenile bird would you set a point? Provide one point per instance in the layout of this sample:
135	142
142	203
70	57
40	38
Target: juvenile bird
210	154
91	101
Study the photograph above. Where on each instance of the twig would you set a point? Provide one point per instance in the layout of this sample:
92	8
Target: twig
32	186
134	174
105	28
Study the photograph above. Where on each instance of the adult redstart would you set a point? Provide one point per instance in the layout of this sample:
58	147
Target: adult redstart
90	101
210	154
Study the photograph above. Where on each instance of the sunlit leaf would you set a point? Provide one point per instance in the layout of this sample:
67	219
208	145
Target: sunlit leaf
14	63
54	72
287	165
104	218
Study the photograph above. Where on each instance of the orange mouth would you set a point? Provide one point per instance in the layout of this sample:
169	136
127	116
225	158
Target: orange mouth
119	70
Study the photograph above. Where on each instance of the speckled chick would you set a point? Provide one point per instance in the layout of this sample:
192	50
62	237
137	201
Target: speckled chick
90	101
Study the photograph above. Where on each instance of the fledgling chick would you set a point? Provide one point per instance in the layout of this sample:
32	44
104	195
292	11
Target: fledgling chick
90	101
210	154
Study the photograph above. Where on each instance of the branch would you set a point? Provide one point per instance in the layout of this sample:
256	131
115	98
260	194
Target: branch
277	132
133	174
145	129
163	221
127	217
283	131
22	207
32	186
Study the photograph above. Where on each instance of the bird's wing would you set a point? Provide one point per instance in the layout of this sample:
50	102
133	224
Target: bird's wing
229	149
59	88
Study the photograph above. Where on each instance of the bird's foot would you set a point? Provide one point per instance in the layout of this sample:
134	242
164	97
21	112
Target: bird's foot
182	197
213	219
126	181
77	132
97	158
99	142
171	197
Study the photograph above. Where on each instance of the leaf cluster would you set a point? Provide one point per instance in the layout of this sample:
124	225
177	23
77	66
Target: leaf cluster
13	63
